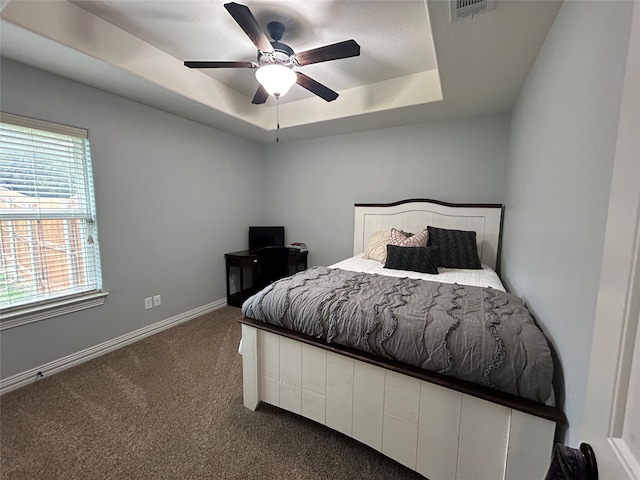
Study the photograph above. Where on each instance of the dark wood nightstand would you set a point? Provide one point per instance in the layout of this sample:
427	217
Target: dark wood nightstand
246	259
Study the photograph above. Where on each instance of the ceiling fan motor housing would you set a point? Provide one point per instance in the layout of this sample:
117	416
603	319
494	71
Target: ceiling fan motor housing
282	52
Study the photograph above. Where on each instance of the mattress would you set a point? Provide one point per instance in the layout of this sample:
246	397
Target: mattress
485	277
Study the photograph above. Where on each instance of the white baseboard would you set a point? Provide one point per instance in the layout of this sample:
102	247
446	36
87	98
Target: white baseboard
29	376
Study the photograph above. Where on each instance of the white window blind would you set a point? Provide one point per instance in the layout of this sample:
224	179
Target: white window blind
48	231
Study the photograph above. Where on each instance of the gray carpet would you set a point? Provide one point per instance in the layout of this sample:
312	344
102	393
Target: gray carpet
170	407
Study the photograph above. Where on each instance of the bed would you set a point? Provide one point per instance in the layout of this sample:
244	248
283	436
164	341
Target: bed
442	426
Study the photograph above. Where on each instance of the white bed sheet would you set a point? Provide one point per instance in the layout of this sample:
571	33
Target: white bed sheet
485	277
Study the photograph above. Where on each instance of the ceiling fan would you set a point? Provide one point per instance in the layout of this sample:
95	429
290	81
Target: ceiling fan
276	60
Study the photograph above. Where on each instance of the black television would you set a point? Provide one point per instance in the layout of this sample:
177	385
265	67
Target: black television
265	237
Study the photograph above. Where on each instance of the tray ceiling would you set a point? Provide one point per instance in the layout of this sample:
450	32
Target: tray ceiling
415	65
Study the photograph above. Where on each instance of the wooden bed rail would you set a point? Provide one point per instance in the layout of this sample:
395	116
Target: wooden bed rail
554	414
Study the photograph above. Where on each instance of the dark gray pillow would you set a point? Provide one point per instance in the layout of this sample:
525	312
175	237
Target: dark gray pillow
457	247
415	259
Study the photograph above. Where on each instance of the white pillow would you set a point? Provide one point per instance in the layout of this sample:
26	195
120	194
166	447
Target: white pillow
376	248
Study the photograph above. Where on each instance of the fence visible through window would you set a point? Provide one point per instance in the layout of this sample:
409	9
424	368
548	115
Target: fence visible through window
42	257
48	236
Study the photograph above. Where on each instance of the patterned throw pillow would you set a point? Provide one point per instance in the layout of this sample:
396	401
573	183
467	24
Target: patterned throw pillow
404	239
377	246
415	259
458	248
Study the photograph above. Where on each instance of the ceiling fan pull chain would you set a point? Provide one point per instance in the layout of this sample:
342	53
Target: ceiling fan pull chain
278	118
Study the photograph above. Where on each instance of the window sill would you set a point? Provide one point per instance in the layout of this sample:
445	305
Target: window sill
51	309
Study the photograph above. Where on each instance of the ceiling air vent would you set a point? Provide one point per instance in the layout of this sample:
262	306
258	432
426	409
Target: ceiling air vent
467	8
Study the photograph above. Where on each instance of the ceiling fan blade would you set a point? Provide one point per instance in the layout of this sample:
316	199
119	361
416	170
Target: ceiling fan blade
348	48
220	65
260	96
243	16
316	87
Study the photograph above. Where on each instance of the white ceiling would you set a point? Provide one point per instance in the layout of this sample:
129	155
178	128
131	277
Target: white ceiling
415	65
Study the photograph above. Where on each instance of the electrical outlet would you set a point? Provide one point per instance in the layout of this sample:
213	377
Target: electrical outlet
148	303
157	301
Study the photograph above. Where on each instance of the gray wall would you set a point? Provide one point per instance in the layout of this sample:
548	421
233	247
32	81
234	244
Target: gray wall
561	153
313	184
172	197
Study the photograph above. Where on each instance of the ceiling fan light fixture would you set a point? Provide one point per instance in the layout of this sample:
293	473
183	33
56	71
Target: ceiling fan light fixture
276	79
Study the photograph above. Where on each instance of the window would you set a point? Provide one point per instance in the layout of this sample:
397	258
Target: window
50	262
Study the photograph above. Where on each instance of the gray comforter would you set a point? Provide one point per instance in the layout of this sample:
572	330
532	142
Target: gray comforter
477	334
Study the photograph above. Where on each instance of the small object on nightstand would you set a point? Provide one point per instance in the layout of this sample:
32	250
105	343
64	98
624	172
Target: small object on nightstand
298	246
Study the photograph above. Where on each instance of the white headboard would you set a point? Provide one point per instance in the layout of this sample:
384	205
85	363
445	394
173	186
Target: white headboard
416	214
